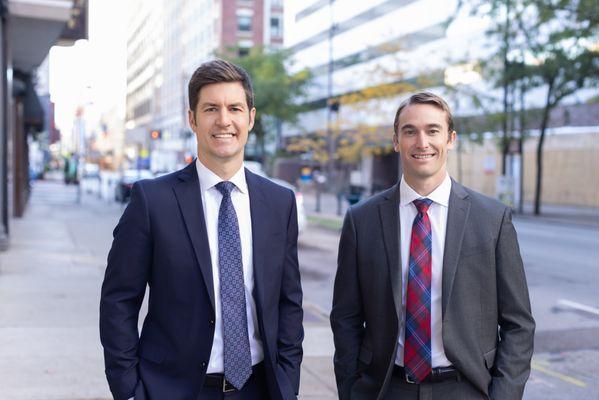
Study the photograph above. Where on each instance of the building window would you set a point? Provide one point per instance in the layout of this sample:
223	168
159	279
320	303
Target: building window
275	27
244	23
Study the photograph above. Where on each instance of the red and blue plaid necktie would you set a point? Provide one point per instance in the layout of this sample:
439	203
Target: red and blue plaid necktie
417	346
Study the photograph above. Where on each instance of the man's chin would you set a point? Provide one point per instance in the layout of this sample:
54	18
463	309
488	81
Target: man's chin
227	156
422	173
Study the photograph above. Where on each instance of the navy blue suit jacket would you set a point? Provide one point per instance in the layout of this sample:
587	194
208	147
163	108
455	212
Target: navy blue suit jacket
161	241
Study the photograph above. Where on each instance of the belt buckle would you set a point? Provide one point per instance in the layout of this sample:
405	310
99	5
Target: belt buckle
227	387
408	379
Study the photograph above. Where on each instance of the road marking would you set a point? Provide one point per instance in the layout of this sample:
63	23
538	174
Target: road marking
538	366
578	306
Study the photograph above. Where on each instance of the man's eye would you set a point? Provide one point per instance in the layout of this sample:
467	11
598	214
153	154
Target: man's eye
434	131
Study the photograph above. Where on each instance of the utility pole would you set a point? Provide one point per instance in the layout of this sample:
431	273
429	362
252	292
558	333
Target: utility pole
331	106
331	70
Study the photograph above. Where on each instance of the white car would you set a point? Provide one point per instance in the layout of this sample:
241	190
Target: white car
256	168
122	191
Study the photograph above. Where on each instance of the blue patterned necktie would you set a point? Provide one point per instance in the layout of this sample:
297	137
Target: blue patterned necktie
237	356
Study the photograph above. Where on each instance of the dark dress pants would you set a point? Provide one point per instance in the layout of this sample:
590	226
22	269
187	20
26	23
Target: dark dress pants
449	390
400	390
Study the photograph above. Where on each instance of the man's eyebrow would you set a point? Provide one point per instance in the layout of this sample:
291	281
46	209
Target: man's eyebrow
433	126
239	104
208	104
410	126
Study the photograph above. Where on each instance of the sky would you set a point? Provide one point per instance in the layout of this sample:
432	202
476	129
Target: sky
91	73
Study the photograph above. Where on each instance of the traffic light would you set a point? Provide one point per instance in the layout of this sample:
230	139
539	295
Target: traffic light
156	134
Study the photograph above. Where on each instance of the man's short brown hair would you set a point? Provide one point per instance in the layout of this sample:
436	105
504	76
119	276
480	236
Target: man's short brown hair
217	71
424	98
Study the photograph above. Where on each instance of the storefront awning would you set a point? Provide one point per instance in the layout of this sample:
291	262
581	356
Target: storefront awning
34	27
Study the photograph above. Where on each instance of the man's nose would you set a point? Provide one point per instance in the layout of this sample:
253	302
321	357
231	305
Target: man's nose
223	118
421	139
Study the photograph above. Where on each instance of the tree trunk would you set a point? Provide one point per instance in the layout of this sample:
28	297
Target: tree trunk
521	145
506	88
262	149
544	122
260	146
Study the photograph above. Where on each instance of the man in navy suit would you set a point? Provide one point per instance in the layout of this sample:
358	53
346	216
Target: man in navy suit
217	246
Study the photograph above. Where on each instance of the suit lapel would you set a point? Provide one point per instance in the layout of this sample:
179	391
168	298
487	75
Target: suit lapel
457	216
389	214
260	215
188	194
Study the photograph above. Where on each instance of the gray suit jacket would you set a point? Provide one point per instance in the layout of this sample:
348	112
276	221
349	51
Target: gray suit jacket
488	327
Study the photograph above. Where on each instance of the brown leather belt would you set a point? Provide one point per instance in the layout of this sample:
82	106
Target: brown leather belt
439	374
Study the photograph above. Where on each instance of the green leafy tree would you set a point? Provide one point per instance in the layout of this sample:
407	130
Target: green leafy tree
563	45
544	44
277	91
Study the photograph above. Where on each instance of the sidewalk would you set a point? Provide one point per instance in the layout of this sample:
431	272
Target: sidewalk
50	282
551	214
49	297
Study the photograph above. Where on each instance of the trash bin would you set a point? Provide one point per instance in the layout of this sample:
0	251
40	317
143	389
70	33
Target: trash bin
354	194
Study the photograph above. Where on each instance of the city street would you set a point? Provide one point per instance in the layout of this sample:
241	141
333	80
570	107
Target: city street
50	281
335	100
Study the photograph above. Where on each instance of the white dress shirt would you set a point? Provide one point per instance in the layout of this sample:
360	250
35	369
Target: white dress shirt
211	199
437	214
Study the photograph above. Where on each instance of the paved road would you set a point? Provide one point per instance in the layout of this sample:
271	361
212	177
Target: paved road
562	266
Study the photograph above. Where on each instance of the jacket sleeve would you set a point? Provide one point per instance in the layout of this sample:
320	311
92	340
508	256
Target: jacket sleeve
123	291
516	324
347	319
291	331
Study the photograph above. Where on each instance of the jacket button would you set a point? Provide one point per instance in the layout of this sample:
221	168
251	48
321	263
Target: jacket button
203	365
211	322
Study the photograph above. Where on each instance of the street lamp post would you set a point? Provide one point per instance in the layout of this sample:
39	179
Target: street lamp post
331	106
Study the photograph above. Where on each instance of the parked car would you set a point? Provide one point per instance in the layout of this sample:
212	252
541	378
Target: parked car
122	191
256	168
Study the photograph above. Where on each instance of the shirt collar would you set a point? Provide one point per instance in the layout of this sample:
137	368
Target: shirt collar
209	179
440	195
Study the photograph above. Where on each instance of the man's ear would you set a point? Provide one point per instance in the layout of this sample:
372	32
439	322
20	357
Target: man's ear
396	142
451	139
191	118
252	118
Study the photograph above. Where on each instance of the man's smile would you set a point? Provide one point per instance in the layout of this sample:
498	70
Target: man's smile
423	156
221	136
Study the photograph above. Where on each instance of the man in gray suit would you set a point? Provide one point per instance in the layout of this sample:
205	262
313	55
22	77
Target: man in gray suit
430	298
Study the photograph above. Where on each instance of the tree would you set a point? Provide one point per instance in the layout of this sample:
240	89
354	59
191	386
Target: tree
561	43
277	91
544	44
